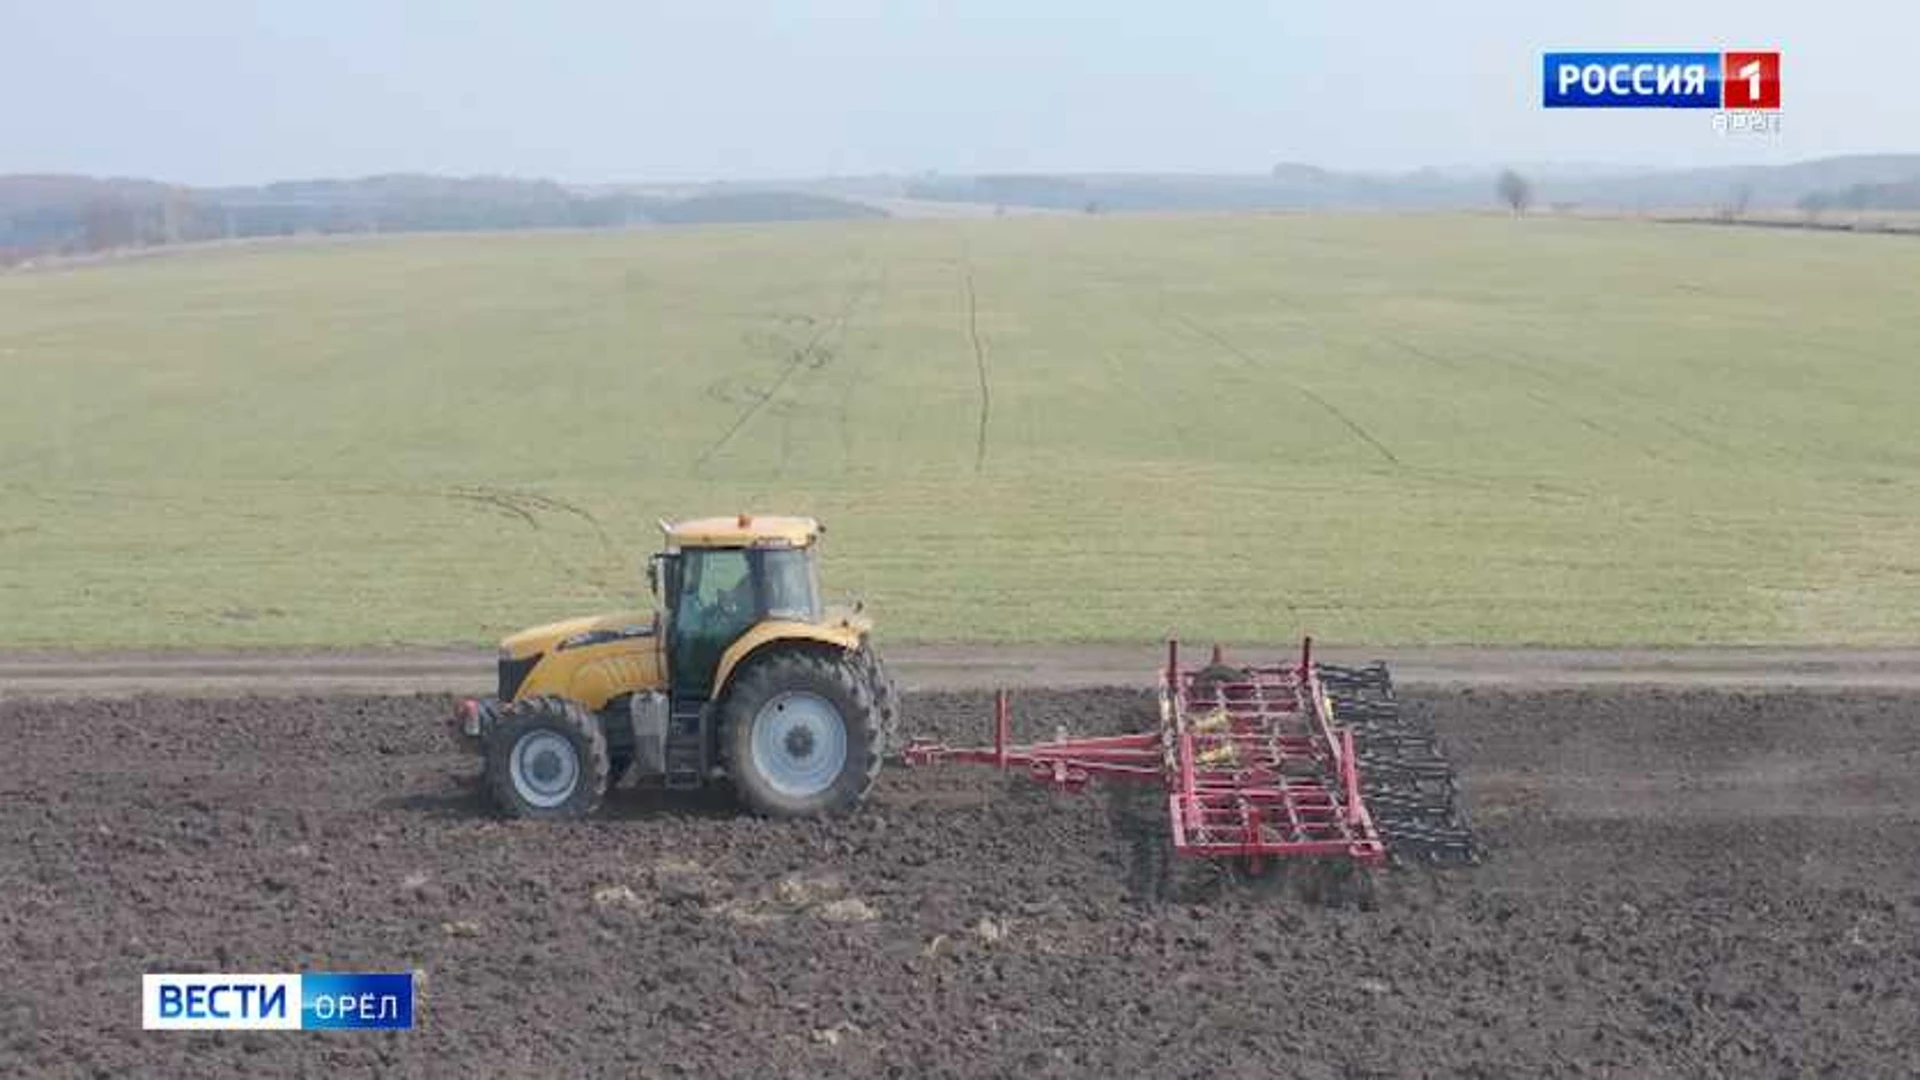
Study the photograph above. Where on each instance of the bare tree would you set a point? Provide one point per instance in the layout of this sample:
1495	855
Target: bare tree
1737	202
1514	190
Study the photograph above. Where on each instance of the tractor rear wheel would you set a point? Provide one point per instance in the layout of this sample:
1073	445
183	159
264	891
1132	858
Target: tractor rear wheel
802	734
886	698
547	759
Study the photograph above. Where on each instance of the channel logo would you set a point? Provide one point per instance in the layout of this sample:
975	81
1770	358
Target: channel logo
305	1002
1661	80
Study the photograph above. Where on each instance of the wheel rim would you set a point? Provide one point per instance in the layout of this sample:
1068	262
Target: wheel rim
799	744
545	768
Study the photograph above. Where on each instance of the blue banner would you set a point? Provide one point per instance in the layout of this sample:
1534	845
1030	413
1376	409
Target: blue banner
1630	80
339	1002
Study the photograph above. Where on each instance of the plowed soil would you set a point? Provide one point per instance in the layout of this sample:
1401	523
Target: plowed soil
1679	883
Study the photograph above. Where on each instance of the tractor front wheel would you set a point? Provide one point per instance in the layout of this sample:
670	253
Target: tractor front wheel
547	758
802	734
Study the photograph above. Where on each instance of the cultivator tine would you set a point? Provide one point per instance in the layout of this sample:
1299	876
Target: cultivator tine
1413	844
1407	780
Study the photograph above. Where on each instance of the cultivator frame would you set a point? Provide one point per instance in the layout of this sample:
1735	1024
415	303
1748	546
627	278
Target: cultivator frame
1262	763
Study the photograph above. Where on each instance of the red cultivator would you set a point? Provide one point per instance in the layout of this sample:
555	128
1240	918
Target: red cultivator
1263	762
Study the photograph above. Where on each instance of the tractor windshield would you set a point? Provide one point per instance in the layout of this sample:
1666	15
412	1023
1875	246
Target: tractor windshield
787	586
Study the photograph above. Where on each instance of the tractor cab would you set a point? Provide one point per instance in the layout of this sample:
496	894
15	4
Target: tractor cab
740	674
721	577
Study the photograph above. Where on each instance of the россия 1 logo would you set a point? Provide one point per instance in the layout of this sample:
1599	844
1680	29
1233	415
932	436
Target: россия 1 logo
1733	81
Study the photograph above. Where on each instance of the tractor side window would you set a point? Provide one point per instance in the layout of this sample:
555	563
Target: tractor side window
788	584
723	594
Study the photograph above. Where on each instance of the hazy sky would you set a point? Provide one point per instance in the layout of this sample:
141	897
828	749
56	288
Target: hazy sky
222	91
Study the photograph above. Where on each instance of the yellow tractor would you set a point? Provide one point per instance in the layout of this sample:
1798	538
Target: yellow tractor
740	675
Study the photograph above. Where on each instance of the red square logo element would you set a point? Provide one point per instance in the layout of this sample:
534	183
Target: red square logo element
1750	80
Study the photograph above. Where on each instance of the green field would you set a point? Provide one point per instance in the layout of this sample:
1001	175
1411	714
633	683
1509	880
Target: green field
1378	429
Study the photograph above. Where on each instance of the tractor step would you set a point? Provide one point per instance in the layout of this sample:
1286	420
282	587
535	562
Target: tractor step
687	756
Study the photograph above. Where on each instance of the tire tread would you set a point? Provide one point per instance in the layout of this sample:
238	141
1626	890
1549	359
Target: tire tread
568	717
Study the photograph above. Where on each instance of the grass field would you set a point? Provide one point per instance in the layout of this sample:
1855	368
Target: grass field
1378	429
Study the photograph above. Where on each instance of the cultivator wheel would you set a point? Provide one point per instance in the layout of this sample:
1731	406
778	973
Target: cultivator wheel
1409	785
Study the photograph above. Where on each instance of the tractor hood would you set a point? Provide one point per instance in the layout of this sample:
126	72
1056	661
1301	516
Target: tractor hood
545	638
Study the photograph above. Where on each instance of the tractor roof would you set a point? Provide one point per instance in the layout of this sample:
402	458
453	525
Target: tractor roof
745	530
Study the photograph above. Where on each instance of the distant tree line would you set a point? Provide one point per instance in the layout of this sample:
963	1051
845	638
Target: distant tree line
1286	186
78	214
1903	195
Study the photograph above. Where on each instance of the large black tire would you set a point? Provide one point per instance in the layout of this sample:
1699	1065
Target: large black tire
786	779
562	767
886	699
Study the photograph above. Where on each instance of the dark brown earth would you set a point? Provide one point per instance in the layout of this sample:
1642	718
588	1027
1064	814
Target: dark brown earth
1680	883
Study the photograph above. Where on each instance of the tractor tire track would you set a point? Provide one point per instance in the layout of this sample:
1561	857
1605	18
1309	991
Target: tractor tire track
527	506
1519	363
498	502
806	356
1254	363
524	504
851	382
1632	401
1455	368
1452	366
521	501
980	368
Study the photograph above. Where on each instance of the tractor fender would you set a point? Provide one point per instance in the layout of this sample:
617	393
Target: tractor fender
839	635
